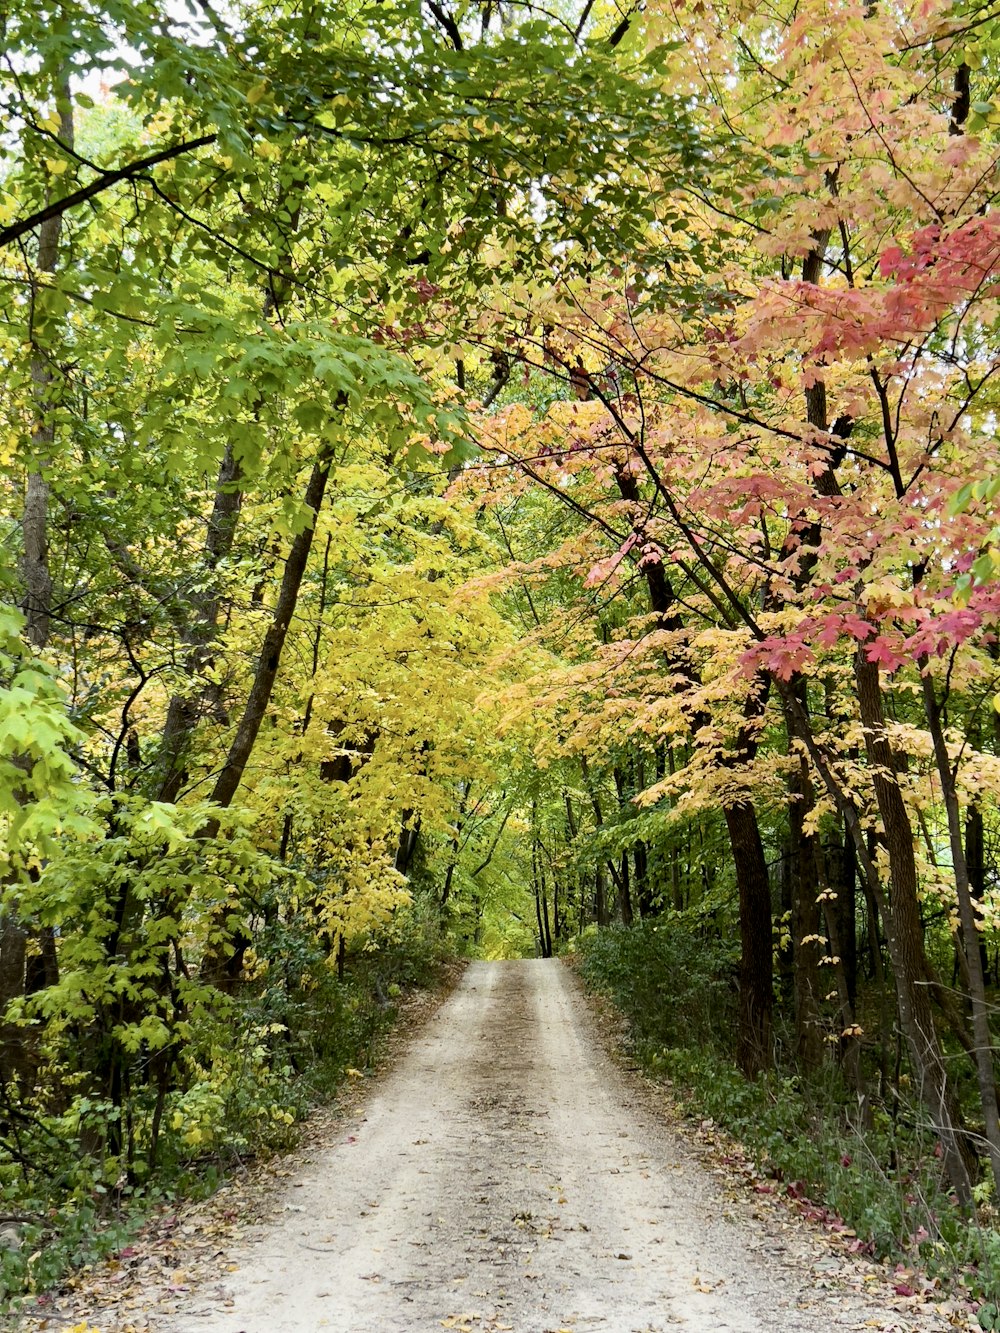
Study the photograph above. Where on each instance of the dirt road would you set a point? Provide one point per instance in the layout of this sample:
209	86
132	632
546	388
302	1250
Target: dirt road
508	1175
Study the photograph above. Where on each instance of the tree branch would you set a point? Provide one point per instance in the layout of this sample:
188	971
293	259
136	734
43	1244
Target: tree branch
103	182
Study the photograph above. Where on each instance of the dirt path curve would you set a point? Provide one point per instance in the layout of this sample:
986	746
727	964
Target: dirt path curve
508	1175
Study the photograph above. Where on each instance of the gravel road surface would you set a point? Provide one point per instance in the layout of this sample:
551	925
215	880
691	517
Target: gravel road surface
508	1174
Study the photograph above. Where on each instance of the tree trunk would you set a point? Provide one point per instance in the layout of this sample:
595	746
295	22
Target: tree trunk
13	949
185	708
601	914
805	927
753	1038
624	894
541	902
407	843
975	860
643	895
463	806
269	659
603	908
223	959
36	577
842	880
805	919
970	934
36	582
904	933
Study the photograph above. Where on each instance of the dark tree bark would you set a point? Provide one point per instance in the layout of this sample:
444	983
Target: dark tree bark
601	914
842	880
463	806
805	926
541	901
904	931
975	860
624	893
603	907
971	938
753	1038
222	963
804	876
187	708
269	659
406	845
849	1045
643	892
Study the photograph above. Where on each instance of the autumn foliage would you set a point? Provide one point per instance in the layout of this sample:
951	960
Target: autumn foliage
455	507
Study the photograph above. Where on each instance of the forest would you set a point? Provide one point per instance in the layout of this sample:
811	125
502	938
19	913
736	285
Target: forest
486	478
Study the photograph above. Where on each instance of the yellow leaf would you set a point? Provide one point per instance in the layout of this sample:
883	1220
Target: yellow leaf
55	167
257	92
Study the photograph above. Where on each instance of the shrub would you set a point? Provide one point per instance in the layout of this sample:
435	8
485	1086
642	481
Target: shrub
675	984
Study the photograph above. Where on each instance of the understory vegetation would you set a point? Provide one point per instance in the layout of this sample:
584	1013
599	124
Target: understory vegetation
252	1072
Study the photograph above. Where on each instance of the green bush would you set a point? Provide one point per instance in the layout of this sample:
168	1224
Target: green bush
676	985
249	1068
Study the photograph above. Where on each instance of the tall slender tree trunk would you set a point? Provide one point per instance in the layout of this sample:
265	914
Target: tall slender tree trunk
601	913
36	584
970	935
841	880
269	658
186	707
36	577
463	806
753	1039
541	901
805	928
624	893
904	932
602	909
805	911
754	1046
222	962
975	860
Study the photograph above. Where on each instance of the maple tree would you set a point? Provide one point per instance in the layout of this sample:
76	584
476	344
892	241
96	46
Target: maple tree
771	415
